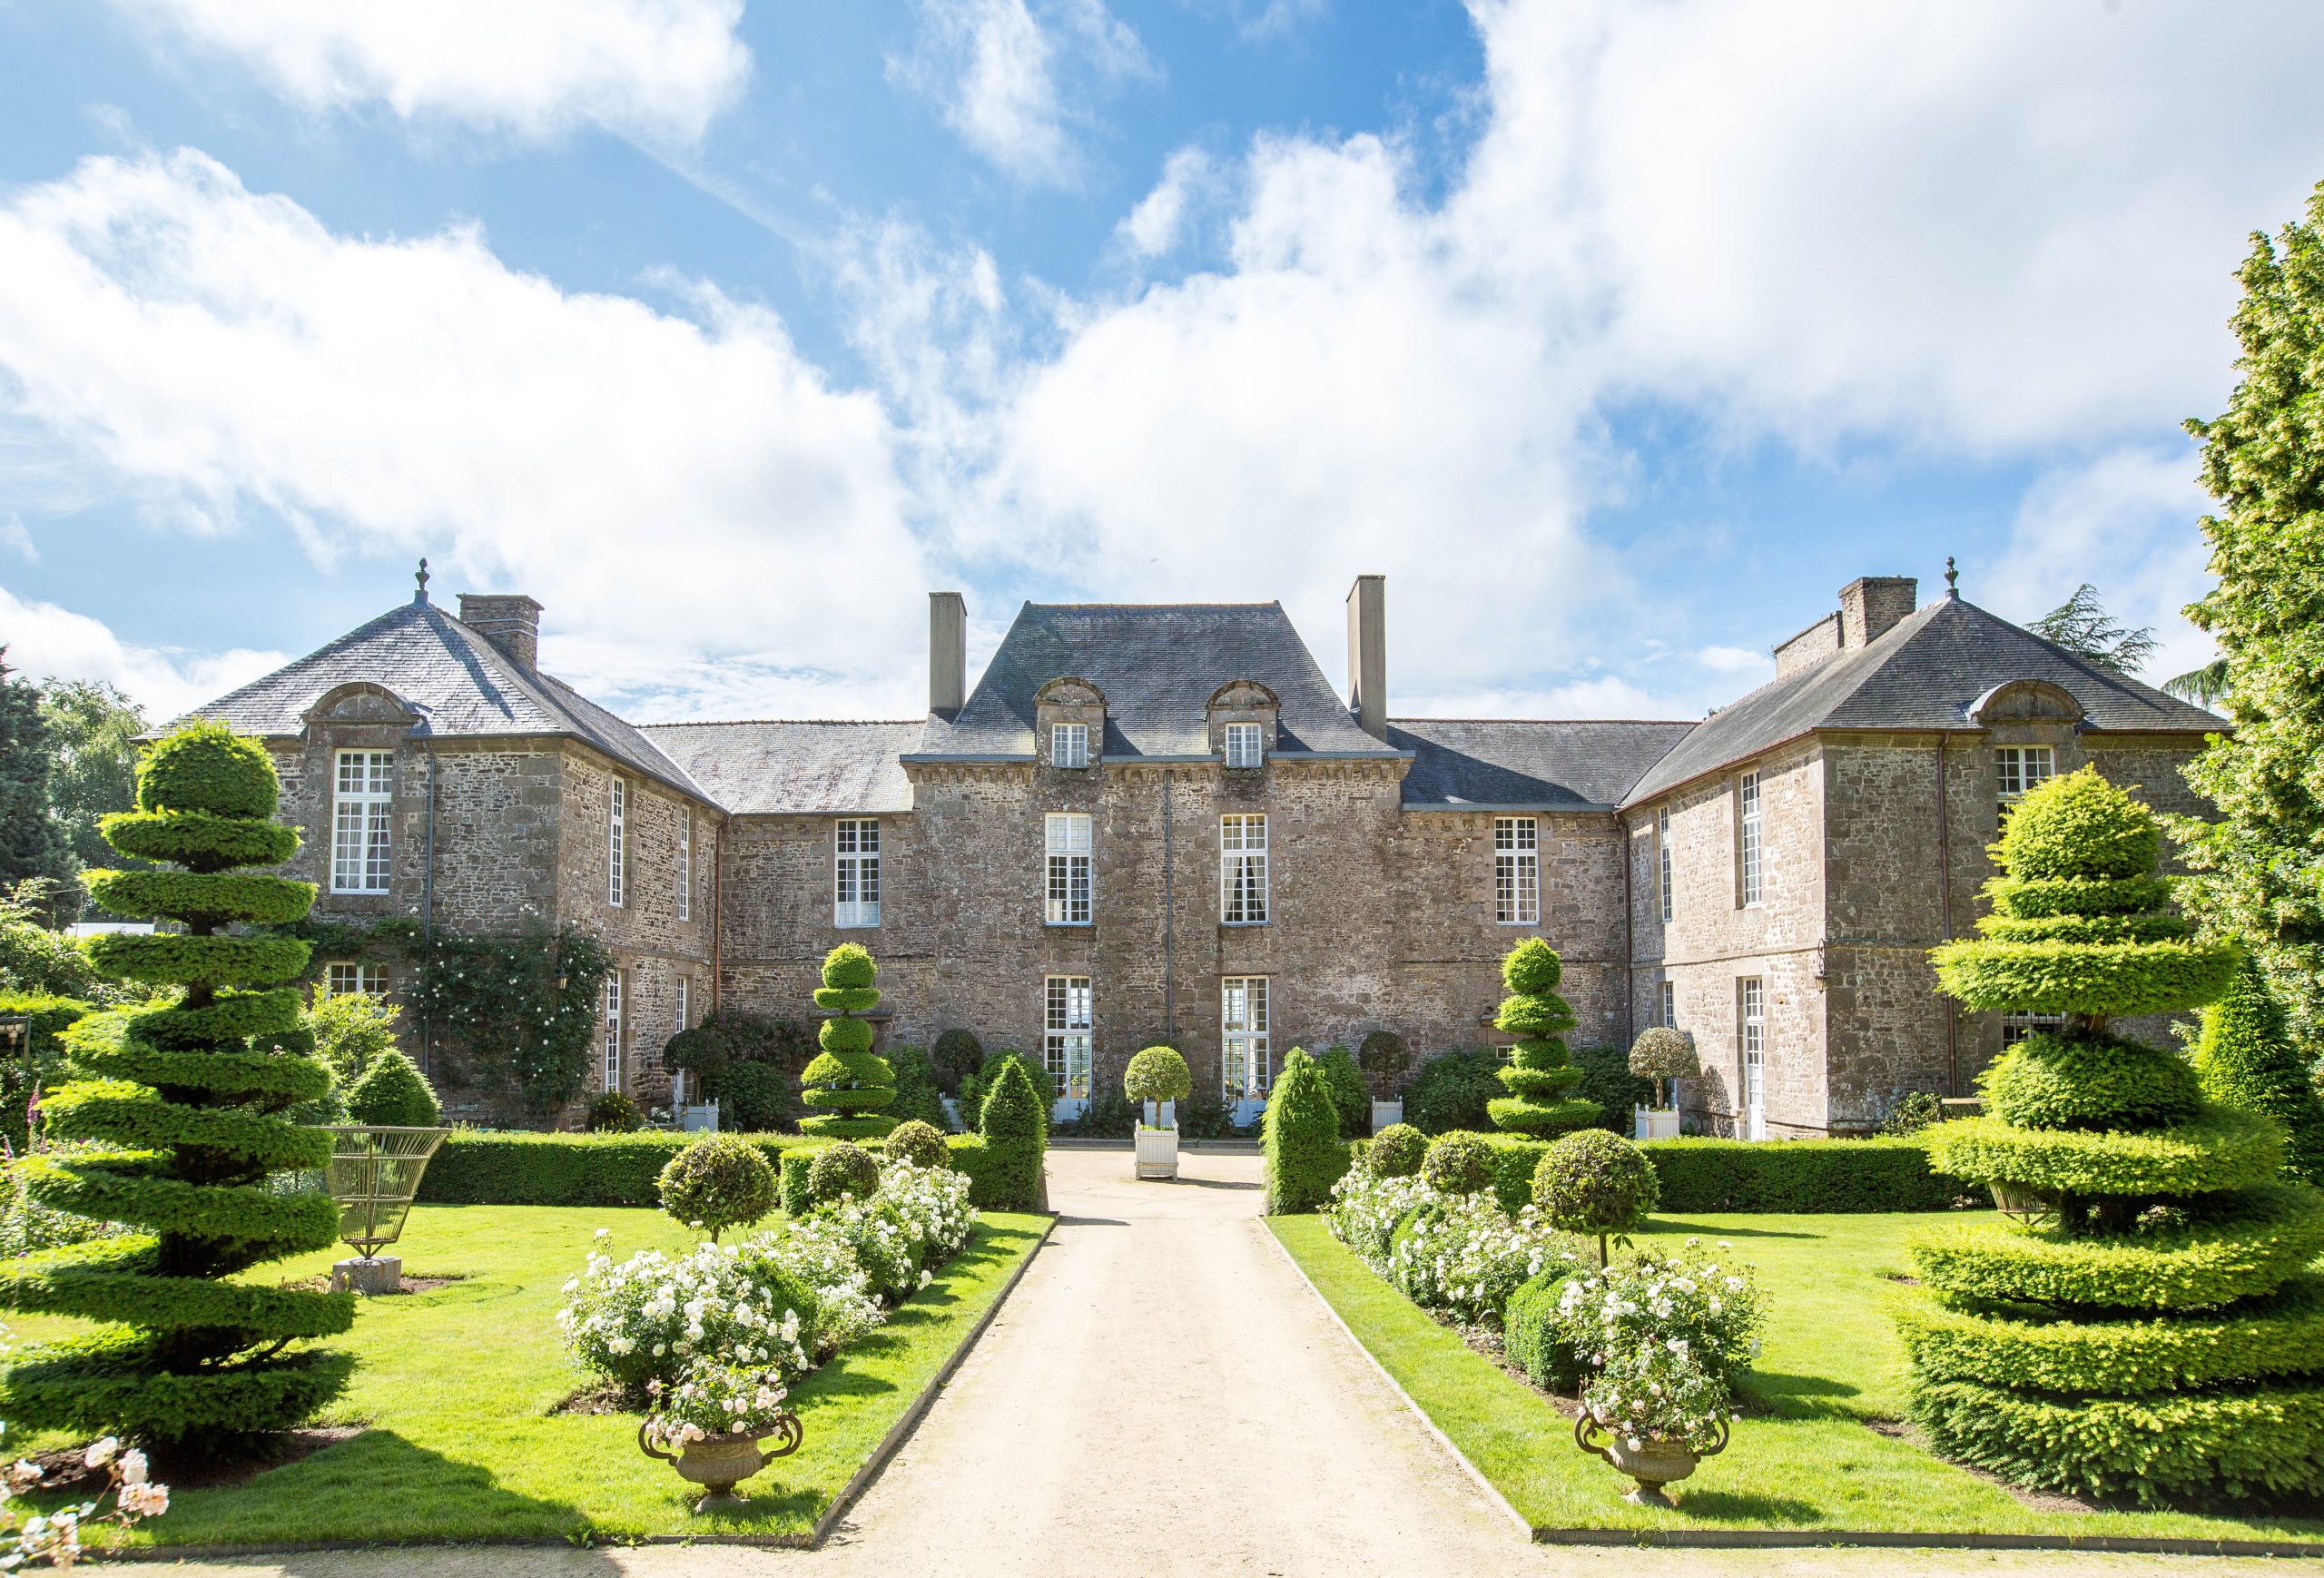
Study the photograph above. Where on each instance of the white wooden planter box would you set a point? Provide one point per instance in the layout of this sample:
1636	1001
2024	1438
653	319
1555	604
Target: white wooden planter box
1384	1113
1157	1152
1656	1122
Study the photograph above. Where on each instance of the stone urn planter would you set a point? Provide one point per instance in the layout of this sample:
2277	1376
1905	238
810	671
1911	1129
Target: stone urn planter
1654	1122
1157	1152
719	1462
1652	1463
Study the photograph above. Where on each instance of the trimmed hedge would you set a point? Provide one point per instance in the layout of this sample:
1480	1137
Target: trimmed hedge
1787	1177
2222	1150
1528	1331
473	1169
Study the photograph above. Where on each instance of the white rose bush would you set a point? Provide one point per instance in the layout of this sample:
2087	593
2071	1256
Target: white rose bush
1460	1254
54	1537
1661	1340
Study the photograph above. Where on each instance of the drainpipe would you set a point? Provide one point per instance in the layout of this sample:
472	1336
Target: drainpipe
1169	926
428	911
1629	939
1944	916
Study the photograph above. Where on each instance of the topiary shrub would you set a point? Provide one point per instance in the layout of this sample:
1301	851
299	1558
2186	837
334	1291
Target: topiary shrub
1351	1093
1459	1163
2135	1200
1664	1055
1156	1074
1540	1078
1531	1333
186	1117
856	1086
718	1182
957	1054
1452	1090
1383	1056
754	1099
1396	1151
1594	1182
394	1093
916	1096
918	1144
978	1085
1015	1124
39	1061
843	1171
2247	1059
1300	1134
612	1112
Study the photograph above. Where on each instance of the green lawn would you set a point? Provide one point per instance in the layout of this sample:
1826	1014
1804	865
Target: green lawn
1830	1362
457	1385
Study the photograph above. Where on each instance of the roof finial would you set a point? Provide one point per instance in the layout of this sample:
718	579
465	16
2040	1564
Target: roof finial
421	577
1951	577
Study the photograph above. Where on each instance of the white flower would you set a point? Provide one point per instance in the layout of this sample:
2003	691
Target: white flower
101	1451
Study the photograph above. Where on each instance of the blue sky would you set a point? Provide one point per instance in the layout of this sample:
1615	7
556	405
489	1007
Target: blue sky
1616	335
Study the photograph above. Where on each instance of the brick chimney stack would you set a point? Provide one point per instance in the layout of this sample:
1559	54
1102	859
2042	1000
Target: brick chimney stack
1871	605
509	620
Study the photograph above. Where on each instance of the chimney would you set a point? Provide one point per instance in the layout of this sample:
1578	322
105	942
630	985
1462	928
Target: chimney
509	620
1367	654
948	654
1870	605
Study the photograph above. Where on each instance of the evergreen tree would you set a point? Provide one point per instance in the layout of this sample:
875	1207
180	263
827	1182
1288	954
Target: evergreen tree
857	1086
2247	1058
1539	1076
2139	1319
2261	867
2083	626
93	731
186	1114
1300	1135
32	845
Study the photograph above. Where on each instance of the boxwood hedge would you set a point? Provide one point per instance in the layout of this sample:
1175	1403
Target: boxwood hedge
1791	1177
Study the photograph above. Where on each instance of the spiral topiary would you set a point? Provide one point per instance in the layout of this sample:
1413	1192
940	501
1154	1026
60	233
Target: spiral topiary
857	1086
185	1116
842	1172
2133	1205
1538	1076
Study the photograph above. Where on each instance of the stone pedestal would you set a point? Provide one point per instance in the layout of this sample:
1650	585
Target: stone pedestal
384	1274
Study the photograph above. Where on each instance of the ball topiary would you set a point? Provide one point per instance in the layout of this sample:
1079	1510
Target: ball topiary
1662	1054
1300	1134
1457	1163
718	1182
1540	1078
394	1093
186	1121
1396	1151
856	1086
1156	1074
844	1172
1593	1181
612	1112
918	1144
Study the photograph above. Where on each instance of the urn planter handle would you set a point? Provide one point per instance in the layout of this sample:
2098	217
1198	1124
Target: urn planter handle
1653	1466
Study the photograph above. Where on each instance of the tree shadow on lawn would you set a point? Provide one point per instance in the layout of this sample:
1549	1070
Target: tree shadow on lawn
1793	1396
1748	1506
1670	1226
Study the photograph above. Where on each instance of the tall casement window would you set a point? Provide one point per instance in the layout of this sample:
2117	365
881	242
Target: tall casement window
616	846
2019	768
341	977
1670	1005
613	1030
362	813
1517	870
1751	1036
1746	839
685	865
1066	1021
1068	835
1068	744
681	1002
856	893
1243	1025
1662	858
1243	869
1246	745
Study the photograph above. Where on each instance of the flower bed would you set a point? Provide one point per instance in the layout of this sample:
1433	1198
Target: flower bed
1460	1254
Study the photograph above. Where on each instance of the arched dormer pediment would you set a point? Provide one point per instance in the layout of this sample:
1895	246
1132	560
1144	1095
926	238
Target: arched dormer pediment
1069	690
1242	702
2026	701
1070	722
1243	695
359	703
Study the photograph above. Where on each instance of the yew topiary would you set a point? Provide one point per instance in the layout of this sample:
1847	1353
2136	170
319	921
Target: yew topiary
394	1093
2247	1058
855	1085
2133	1204
1015	1123
1300	1134
1540	1078
185	1119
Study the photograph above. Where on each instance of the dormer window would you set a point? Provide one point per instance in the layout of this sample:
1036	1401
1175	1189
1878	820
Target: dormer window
1243	719
1246	745
1068	744
1070	722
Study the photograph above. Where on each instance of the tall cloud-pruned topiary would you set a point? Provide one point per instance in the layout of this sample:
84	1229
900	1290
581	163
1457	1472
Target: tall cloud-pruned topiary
185	1115
2092	1339
1538	1076
855	1086
1015	1123
2247	1058
1301	1135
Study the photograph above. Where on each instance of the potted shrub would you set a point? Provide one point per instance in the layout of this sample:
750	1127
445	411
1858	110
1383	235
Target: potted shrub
1664	1056
1383	1057
1157	1075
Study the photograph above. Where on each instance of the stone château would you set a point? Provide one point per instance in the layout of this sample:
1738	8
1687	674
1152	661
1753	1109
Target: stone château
1161	823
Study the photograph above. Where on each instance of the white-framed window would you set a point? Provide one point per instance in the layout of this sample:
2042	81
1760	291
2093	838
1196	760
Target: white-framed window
1068	744
686	863
362	815
1751	1035
613	1030
1517	870
1662	858
341	977
855	891
1243	869
1746	839
616	846
1243	1026
1068	1020
1067	836
1246	745
2018	769
1669	1005
2016	1027
682	1003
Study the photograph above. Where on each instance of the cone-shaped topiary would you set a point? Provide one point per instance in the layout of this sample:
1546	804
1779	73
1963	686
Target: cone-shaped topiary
393	1092
2141	1211
2247	1058
1538	1076
855	1085
1156	1074
1301	1135
1015	1123
185	1116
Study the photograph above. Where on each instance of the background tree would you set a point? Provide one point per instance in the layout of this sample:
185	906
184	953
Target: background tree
93	731
32	845
2247	1059
2259	869
1540	1078
2083	626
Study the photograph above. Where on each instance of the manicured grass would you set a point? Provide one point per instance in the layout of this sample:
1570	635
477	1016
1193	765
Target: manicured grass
1830	1362
457	1385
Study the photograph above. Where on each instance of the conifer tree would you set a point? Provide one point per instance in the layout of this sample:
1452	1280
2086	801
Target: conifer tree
2247	1058
1538	1076
857	1086
32	842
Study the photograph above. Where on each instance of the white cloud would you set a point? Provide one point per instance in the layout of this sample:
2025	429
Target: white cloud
16	539
685	484
655	69
1737	660
1017	86
1152	228
46	642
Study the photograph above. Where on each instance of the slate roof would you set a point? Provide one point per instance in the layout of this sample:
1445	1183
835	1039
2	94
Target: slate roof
1925	672
1520	764
769	768
459	683
1158	665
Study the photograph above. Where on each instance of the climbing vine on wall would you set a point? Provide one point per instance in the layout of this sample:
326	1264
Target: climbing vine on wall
516	1014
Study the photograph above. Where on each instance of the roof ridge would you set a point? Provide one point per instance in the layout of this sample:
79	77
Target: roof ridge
1270	603
733	723
1668	722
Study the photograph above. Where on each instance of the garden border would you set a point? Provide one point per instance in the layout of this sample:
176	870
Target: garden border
1784	1539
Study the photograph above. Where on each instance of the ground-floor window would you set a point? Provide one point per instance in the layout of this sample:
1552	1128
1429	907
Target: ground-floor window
1751	1027
340	977
1068	1020
613	1030
1670	1020
2016	1027
1243	1021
